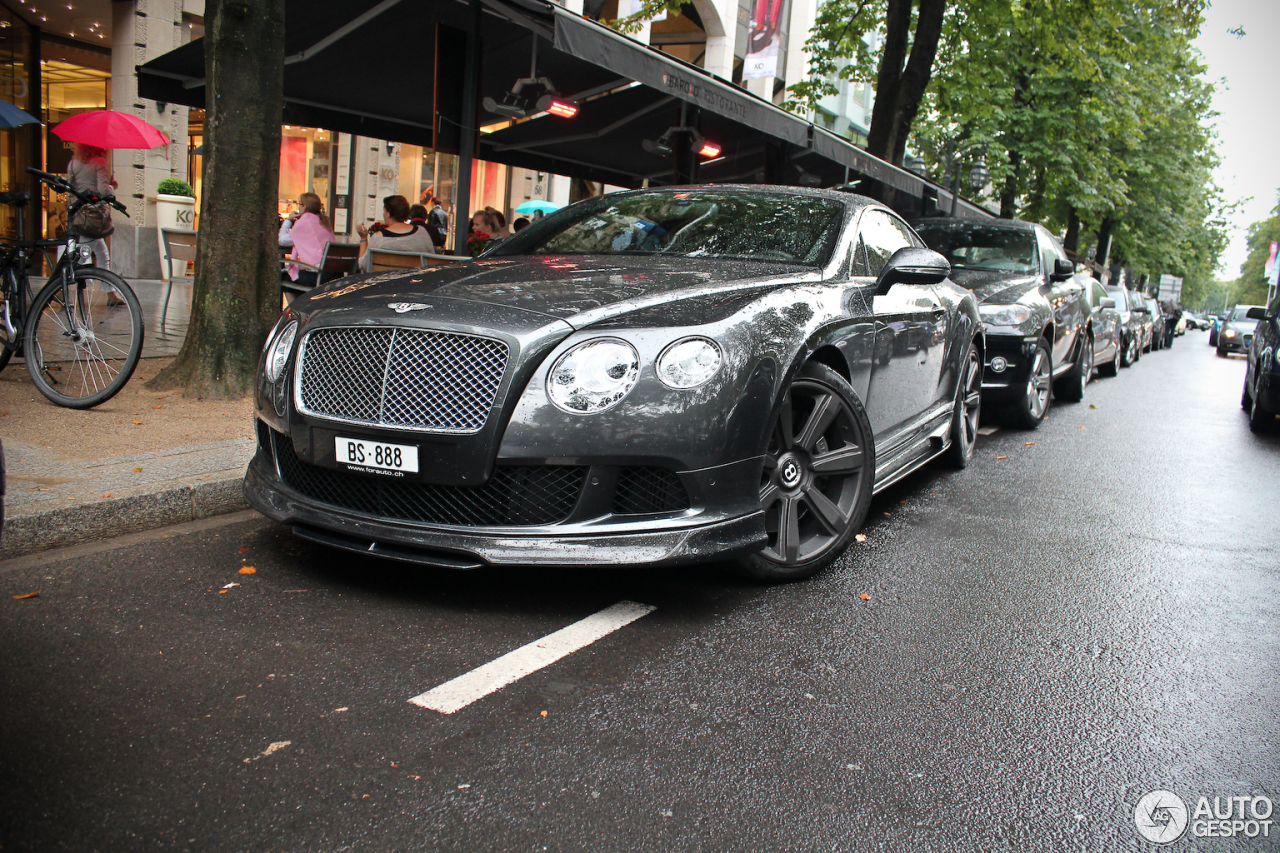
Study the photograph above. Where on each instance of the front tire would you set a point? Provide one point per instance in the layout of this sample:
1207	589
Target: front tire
1112	367
1029	412
816	483
82	361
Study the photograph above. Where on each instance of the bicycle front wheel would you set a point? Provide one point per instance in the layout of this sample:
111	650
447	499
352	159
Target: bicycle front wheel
82	353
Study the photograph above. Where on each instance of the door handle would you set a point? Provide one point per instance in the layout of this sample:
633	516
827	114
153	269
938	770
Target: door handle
938	311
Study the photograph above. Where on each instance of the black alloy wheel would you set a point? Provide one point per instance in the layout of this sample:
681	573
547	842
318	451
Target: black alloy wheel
1029	411
815	487
967	411
1131	352
1071	386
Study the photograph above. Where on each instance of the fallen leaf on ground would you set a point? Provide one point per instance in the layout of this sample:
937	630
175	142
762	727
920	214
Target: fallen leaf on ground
37	592
157	407
1002	457
278	745
1092	406
233	583
107	495
136	421
460	787
137	470
1030	444
865	597
222	592
544	713
248	570
1079	427
861	537
339	710
244	550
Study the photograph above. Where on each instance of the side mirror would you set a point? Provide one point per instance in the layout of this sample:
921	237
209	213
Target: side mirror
1062	270
913	266
1107	302
1256	313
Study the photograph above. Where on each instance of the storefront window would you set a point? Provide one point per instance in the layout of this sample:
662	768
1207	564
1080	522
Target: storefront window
306	160
74	80
15	143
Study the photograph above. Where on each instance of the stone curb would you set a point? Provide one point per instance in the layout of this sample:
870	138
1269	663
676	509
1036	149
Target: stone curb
169	504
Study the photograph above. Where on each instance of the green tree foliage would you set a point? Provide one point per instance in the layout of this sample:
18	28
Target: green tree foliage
1251	288
1092	117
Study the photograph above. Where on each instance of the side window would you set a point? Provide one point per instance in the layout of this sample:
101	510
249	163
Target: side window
858	263
1098	293
882	235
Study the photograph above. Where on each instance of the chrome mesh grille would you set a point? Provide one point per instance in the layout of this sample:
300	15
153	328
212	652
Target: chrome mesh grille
401	377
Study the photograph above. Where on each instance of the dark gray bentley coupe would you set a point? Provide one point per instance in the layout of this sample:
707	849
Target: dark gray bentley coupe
650	377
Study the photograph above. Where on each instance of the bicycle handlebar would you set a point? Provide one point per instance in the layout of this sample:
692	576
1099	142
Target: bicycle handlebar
62	185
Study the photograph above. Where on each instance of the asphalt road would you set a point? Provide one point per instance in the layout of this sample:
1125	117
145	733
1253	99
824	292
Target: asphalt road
1047	637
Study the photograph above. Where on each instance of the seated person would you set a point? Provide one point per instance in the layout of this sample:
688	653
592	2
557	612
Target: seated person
397	233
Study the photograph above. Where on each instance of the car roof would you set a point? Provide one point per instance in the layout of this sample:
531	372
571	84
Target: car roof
957	221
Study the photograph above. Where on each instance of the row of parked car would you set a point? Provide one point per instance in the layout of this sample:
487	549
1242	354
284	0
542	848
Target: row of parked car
1049	328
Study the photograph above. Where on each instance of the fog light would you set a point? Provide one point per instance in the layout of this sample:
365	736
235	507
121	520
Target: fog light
999	365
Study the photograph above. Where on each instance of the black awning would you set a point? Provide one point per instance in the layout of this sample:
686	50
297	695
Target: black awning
628	92
602	46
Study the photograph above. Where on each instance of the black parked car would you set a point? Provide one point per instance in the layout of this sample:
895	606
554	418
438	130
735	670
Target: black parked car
1261	395
1130	324
1236	332
649	377
1034	305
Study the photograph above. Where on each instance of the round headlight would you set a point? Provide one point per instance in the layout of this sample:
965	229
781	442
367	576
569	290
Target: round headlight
1005	315
278	355
688	363
593	376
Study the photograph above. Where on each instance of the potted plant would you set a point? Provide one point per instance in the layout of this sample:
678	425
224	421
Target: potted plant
175	210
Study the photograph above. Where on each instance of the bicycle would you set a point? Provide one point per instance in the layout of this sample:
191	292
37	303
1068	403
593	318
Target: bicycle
80	346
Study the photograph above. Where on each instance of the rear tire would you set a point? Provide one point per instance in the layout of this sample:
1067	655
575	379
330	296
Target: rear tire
818	473
1260	420
1129	351
85	362
967	411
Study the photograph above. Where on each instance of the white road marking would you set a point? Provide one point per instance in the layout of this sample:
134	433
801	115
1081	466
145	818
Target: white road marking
480	682
988	430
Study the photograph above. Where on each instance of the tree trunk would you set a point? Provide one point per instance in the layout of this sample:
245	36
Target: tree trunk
1009	193
1103	255
915	79
902	80
1072	241
883	122
236	295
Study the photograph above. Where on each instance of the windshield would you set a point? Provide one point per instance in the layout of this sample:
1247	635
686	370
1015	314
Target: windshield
1241	313
1122	304
742	225
979	247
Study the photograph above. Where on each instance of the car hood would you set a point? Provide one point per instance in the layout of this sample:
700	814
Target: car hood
995	287
578	290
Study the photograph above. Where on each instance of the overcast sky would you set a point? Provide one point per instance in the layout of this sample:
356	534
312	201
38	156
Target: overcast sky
1249	103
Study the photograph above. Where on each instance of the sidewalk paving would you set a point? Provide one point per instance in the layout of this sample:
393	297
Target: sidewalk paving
139	461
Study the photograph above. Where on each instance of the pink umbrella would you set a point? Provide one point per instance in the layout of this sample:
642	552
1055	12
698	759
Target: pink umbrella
110	129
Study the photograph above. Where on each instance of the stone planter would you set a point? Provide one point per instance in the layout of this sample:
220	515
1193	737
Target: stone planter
173	211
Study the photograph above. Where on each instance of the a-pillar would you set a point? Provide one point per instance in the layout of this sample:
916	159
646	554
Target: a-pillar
141	31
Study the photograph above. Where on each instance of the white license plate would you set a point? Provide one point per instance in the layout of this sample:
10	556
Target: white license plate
359	453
